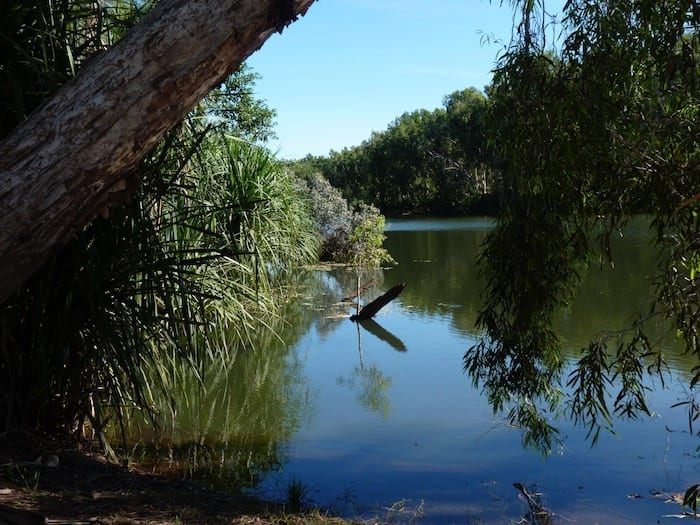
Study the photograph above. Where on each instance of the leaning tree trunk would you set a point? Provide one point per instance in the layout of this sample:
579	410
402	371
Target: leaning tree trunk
74	156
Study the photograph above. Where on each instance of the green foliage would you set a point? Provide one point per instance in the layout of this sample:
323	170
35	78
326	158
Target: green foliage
190	272
367	239
589	137
347	235
233	107
332	216
424	163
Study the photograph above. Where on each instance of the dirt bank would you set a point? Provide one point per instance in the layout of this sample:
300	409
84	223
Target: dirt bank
84	488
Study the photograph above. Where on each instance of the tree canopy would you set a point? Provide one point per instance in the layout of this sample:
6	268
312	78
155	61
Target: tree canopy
425	162
589	135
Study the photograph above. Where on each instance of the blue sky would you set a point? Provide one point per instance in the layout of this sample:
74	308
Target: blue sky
350	67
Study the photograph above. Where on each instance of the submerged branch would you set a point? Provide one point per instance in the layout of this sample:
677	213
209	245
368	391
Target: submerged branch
371	309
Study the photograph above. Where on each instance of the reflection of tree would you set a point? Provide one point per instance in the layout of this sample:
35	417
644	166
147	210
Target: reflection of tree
327	288
374	385
543	357
231	424
439	265
373	388
439	269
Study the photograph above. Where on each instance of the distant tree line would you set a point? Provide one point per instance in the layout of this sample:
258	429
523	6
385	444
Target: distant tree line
425	163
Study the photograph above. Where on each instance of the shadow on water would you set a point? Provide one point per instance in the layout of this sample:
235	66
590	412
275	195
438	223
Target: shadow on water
370	381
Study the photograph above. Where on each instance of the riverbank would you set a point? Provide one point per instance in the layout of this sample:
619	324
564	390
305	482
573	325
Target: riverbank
84	488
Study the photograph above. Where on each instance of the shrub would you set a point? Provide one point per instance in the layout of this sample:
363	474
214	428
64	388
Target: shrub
347	235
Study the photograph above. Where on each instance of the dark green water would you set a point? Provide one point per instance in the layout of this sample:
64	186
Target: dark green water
383	417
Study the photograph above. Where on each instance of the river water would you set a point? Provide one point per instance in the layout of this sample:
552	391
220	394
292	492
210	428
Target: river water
380	420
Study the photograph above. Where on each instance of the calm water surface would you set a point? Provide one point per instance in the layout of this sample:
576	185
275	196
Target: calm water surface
393	418
383	415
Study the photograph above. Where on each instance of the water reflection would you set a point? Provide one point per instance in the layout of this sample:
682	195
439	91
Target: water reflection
326	289
377	330
232	423
234	418
372	388
439	268
439	264
381	412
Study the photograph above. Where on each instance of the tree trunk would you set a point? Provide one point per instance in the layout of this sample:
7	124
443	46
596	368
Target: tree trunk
76	154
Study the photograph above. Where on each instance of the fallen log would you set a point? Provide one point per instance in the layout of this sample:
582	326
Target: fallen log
371	309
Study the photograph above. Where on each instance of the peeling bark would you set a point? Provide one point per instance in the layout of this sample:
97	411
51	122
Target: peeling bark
74	155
